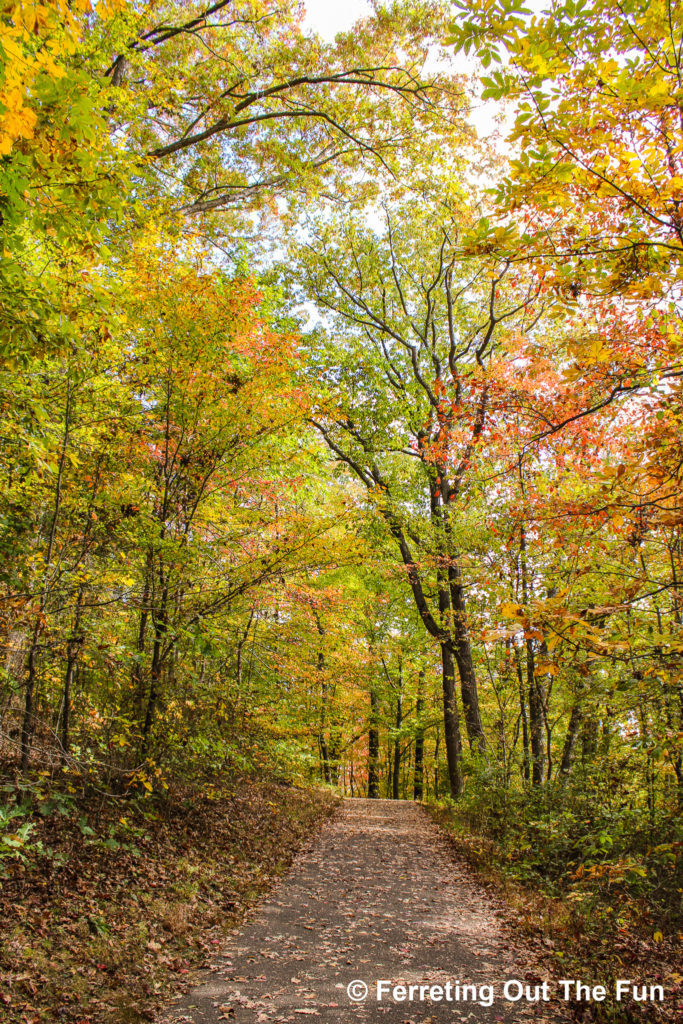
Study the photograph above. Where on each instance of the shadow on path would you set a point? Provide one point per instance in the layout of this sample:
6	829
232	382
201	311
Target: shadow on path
377	897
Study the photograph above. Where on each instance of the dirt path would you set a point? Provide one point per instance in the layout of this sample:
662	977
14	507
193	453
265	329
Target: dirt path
378	897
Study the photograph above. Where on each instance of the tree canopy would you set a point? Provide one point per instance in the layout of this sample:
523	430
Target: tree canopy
337	441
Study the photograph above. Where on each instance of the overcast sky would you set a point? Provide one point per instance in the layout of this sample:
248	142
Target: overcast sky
327	17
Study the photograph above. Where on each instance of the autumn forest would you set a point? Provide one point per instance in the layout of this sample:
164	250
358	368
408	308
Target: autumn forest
341	438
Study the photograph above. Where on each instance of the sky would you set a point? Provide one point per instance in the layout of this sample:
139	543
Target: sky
327	17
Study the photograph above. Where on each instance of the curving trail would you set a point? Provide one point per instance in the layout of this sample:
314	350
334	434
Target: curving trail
378	896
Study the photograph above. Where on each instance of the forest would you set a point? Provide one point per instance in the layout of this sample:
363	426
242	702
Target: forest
341	439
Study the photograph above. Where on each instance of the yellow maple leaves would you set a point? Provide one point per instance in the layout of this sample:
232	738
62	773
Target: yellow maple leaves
21	61
16	122
34	40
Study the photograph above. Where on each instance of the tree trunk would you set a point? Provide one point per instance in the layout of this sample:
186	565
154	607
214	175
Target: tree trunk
29	692
390	772
569	749
322	739
536	696
137	675
589	737
239	665
526	763
373	747
463	658
160	627
418	772
335	748
397	739
73	648
536	719
451	721
325	757
27	725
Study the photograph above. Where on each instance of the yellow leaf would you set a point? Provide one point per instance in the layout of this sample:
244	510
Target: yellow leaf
511	611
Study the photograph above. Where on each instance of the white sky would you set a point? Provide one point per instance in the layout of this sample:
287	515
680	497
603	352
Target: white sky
327	17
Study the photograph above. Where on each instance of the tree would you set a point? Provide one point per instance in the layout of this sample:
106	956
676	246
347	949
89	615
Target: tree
412	402
233	104
597	134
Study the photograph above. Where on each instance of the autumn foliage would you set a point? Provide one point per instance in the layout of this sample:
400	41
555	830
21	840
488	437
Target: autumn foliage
337	442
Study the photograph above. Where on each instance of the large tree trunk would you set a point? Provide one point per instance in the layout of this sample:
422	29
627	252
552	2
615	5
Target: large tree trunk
589	737
451	716
468	678
451	721
569	749
373	747
463	647
418	771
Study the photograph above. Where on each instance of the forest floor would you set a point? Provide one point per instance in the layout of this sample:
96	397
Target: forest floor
130	909
378	897
593	930
122	901
603	935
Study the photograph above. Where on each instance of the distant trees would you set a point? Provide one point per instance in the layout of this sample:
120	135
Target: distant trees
142	504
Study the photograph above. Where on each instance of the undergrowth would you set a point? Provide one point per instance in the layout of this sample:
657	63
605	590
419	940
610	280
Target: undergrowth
600	886
110	904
